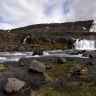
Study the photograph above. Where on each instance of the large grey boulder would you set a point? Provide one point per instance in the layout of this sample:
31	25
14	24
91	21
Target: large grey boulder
13	85
36	66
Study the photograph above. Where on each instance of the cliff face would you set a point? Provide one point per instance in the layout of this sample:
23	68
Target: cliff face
79	26
46	36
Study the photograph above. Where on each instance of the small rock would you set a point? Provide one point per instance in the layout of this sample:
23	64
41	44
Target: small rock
22	64
77	68
49	66
93	55
37	52
61	60
13	85
89	63
24	67
36	66
1	66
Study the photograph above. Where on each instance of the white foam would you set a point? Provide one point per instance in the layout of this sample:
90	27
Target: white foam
5	59
45	53
85	44
18	54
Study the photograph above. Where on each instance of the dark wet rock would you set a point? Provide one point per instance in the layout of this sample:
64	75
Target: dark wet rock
71	42
36	66
93	55
37	52
81	52
52	59
13	85
61	60
74	53
89	63
85	54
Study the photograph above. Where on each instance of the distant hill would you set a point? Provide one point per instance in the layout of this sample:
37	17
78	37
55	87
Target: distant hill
79	26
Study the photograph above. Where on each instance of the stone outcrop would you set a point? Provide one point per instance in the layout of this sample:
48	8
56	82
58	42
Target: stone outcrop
36	66
13	85
61	60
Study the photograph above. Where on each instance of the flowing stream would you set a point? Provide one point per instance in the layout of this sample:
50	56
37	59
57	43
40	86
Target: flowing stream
15	56
79	45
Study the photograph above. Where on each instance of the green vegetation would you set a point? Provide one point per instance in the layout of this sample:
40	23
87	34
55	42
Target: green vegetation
90	91
58	85
48	92
48	46
60	70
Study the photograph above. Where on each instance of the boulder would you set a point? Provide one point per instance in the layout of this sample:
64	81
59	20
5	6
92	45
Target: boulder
37	52
81	52
93	55
71	42
13	85
61	60
77	68
89	63
36	66
85	54
1	66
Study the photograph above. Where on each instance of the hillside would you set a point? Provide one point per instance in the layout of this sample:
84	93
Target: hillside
79	26
46	36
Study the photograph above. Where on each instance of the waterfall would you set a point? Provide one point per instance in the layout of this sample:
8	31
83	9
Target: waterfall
85	44
24	41
93	28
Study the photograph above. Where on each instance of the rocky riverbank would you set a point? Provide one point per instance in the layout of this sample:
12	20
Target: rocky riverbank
48	75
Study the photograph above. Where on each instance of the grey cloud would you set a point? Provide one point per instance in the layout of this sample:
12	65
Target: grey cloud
18	13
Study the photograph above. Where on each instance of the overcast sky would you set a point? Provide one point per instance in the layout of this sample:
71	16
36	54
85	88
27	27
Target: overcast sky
18	13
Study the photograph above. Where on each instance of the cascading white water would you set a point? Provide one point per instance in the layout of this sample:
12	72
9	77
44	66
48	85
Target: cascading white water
85	44
93	27
24	41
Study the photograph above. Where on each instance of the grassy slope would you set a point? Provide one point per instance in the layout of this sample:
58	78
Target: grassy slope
70	88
